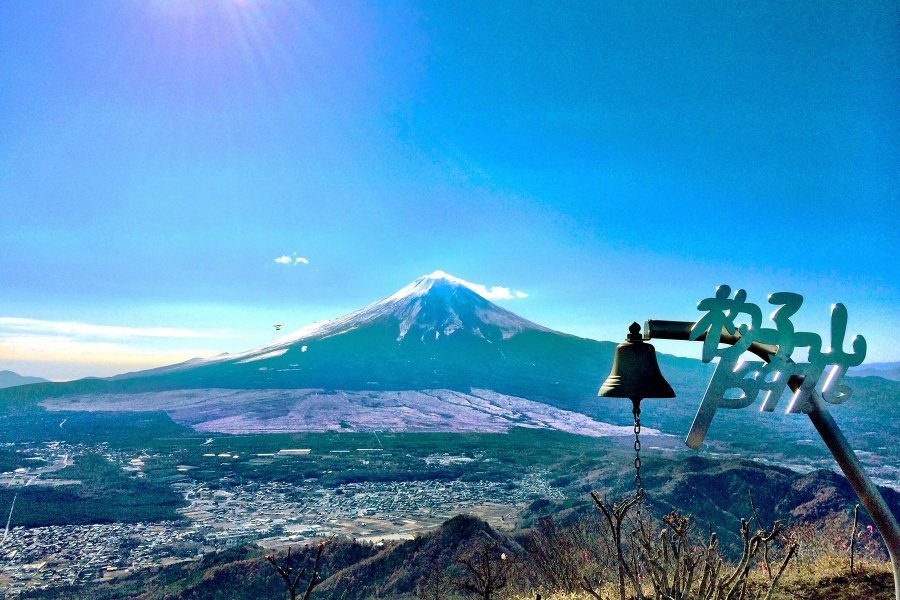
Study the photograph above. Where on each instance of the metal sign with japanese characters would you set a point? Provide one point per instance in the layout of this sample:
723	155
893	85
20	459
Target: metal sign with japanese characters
737	383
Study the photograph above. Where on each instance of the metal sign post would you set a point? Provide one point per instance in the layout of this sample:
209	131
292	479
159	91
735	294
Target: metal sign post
738	384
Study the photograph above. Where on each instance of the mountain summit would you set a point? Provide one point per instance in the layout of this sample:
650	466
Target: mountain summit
436	332
430	308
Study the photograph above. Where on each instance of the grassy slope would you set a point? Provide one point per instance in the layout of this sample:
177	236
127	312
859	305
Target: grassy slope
827	582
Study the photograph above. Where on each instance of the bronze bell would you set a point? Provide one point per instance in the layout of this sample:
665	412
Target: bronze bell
635	373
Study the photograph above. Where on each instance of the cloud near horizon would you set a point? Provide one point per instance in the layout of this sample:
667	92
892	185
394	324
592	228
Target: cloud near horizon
109	349
62	358
18	326
113	356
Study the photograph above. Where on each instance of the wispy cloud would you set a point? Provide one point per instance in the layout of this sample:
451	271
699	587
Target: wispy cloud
108	349
300	260
63	359
25	326
115	356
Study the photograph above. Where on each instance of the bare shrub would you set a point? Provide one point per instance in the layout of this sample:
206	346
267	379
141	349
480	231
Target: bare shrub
673	563
578	557
633	555
485	570
828	542
292	578
434	585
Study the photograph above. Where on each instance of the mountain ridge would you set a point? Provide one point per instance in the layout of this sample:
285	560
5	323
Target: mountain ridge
12	379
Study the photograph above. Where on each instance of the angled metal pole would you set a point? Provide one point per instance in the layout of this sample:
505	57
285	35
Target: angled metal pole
867	491
830	433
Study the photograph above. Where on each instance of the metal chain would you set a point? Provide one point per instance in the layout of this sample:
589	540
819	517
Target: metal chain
639	488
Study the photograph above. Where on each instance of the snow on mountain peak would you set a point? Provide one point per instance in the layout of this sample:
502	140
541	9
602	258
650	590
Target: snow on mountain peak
442	303
424	283
443	275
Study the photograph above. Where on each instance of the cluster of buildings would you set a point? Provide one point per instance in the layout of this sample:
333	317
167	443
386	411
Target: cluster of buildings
229	512
278	514
60	555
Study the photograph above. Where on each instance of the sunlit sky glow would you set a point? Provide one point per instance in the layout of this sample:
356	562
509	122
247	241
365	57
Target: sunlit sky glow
203	170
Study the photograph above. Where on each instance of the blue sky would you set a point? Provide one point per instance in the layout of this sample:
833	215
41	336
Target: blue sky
614	161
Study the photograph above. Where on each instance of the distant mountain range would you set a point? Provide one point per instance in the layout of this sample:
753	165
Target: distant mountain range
10	379
437	356
889	370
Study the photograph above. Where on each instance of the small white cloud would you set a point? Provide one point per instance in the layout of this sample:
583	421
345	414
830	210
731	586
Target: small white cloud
494	292
295	260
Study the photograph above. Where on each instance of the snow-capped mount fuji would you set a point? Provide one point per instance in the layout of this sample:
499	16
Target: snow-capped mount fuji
436	332
431	307
435	355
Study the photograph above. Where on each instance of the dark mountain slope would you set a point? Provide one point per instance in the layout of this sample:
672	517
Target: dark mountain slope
717	493
397	570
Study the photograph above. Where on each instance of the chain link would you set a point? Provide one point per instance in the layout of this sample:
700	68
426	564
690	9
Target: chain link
639	488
